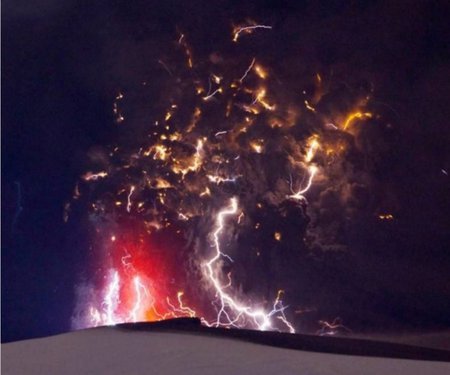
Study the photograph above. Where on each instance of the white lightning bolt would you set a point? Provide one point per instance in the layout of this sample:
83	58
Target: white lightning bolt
231	312
129	198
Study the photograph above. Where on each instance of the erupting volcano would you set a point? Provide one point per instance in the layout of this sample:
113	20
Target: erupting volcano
234	170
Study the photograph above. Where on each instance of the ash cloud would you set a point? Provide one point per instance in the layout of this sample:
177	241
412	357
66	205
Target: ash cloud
357	55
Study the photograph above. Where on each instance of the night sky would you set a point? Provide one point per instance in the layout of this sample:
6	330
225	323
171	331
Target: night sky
64	63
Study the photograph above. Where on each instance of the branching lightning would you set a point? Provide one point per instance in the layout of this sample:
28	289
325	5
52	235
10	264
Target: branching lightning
231	313
232	137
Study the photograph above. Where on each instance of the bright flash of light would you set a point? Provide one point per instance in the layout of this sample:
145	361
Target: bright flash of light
112	299
232	313
313	147
355	115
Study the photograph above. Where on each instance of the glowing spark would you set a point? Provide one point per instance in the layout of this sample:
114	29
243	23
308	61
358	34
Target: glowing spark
260	98
331	126
89	176
118	116
248	30
261	72
187	51
277	236
195	119
248	70
138	304
205	98
356	115
313	147
386	217
309	106
129	198
205	192
216	79
228	306
257	146
182	216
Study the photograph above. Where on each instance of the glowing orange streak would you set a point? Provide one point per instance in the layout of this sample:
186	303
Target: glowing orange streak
129	198
205	98
89	176
313	147
309	106
357	115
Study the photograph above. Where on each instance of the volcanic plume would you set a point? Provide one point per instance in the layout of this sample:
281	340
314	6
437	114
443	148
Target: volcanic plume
233	172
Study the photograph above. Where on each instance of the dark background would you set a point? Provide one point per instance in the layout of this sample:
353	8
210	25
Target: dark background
63	63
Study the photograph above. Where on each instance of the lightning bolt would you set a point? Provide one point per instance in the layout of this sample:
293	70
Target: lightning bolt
248	29
231	312
138	304
299	194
